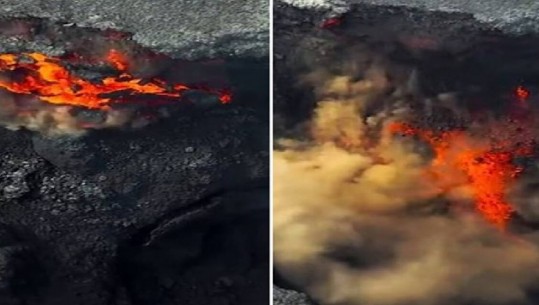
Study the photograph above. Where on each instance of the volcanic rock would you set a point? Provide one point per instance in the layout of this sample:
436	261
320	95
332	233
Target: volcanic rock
191	29
105	213
515	17
65	152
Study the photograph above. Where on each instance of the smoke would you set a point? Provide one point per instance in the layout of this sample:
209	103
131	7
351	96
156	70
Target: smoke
28	112
356	221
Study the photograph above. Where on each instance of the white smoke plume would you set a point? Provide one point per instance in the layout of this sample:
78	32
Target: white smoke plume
357	223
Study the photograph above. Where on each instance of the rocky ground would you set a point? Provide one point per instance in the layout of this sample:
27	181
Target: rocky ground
190	29
515	17
172	213
176	212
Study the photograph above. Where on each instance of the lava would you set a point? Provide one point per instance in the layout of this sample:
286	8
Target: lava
522	94
489	168
118	60
46	78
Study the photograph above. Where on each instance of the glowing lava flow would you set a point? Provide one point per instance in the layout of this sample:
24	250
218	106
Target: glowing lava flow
118	60
522	93
46	78
489	169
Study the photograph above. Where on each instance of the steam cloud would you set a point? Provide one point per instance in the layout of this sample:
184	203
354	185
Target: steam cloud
355	222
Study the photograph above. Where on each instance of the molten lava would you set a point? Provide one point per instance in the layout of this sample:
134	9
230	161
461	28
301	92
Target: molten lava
46	78
118	60
522	94
489	169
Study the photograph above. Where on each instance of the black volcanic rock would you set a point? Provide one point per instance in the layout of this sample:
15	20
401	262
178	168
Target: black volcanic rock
66	152
84	200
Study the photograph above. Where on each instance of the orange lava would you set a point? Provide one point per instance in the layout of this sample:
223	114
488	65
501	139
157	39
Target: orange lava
118	60
489	169
46	78
522	93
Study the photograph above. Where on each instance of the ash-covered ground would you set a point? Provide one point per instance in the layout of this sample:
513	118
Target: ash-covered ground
174	212
478	52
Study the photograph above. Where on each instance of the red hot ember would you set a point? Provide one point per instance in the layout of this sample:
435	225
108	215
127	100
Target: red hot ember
522	93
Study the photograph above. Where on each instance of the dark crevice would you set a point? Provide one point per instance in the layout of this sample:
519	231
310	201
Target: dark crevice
191	248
